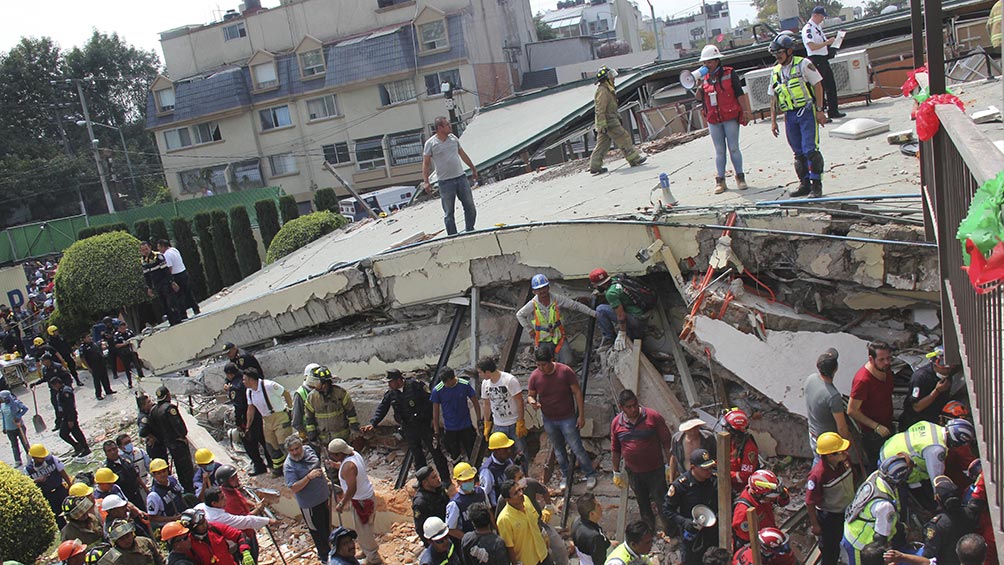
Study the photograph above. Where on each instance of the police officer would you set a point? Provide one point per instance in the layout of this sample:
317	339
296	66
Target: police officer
91	353
944	530
155	446
874	514
165	501
62	346
157	275
697	486
242	359
413	412
430	500
66	417
608	124
329	413
168	423
253	438
49	370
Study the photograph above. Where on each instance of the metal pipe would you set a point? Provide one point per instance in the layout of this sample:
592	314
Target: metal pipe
837	199
268	513
587	357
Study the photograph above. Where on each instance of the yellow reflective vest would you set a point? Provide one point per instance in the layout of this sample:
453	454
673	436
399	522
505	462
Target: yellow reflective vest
547	324
793	93
859	524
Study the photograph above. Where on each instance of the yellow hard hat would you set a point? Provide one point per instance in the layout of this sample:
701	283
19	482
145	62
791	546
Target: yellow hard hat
499	440
38	341
38	450
105	475
52	330
463	471
203	456
158	464
831	442
80	489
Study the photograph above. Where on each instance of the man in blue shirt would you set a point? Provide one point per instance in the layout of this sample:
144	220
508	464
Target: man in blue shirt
450	397
304	476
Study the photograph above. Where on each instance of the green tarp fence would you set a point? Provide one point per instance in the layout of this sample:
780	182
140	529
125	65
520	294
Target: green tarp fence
45	238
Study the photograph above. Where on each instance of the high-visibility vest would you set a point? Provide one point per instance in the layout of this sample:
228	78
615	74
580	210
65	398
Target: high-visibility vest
726	107
794	93
547	325
621	555
859	525
913	442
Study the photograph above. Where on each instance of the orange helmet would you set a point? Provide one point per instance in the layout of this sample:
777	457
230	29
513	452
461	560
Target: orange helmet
172	530
955	409
69	548
598	277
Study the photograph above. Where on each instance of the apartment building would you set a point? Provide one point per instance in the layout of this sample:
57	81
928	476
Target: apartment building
266	96
684	36
605	20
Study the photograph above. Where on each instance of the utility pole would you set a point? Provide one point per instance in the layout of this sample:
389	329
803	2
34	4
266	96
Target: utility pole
451	106
655	32
66	149
94	147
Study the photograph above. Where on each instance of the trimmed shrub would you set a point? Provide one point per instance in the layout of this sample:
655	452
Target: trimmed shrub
223	244
301	231
202	227
91	231
288	208
100	274
27	526
326	199
158	230
72	328
268	220
142	230
244	241
184	241
85	233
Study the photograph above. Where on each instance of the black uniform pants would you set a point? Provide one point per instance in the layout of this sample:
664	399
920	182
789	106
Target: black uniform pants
185	298
99	374
182	457
73	436
649	488
832	524
456	441
318	521
169	302
254	443
822	63
130	359
55	499
419	436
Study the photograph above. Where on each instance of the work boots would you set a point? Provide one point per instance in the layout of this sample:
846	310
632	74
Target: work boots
817	189
720	186
741	181
803	189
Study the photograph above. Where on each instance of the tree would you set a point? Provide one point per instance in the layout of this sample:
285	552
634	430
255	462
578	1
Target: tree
223	244
326	199
142	230
244	241
203	227
27	526
100	274
288	208
158	230
875	7
544	31
301	231
767	9
647	40
268	220
185	243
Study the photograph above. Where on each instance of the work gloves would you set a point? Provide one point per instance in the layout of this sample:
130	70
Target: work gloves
488	429
247	558
619	480
521	430
620	342
669	473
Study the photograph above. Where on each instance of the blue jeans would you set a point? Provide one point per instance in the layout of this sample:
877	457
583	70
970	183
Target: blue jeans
565	431
607	319
449	191
726	134
510	431
802	131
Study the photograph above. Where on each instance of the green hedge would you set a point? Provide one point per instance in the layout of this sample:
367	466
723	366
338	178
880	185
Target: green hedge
27	526
244	241
104	228
268	220
203	222
301	231
158	230
223	244
184	241
326	199
288	209
142	230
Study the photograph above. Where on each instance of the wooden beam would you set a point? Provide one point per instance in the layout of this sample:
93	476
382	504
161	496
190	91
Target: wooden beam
635	366
753	521
327	166
724	448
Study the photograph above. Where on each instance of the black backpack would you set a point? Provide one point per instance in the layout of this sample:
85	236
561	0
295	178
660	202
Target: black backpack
639	294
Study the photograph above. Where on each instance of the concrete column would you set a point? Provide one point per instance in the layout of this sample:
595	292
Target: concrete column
475	305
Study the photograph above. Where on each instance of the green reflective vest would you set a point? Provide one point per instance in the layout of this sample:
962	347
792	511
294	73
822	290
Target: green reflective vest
913	442
622	555
859	524
793	94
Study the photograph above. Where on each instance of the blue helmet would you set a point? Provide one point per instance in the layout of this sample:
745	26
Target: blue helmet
781	42
896	469
538	282
959	432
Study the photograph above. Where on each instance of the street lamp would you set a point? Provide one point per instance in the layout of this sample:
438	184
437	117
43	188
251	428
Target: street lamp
125	149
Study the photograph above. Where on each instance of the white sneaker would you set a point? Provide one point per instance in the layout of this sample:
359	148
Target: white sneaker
563	485
591	482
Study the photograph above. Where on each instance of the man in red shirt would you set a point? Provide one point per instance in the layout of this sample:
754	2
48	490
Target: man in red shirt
554	389
234	502
640	436
871	401
828	491
763	491
211	541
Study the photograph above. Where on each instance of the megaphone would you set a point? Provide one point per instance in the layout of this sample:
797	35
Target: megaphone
689	79
703	516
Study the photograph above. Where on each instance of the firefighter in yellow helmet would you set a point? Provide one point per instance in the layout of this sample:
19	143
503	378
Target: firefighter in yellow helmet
608	125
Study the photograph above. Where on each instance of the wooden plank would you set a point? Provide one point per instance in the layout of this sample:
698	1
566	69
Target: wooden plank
753	521
651	384
635	364
724	448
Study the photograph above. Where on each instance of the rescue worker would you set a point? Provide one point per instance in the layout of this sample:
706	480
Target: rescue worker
608	126
930	391
51	477
62	347
775	549
91	353
211	542
818	48
215	512
430	500
828	491
874	514
130	549
156	448
961	457
413	412
157	276
47	371
928	445
310	383
243	359
725	107
41	349
234	501
357	494
329	412
126	476
269	399
125	352
978	508
994	25
943	531
114	507
541	317
492	472
67	418
343	547
82	519
105	485
620	319
697	486
638	539
253	435
165	503
468	493
205	469
745	455
178	542
72	552
790	93
168	424
96	553
763	492
441	549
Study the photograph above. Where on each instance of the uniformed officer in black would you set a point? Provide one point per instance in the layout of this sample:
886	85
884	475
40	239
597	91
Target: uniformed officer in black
254	437
66	417
930	391
697	486
42	349
65	351
944	530
155	446
242	359
49	370
413	411
157	275
91	353
430	500
166	422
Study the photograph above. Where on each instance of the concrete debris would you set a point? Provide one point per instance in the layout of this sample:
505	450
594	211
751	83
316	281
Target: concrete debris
991	114
900	137
671	141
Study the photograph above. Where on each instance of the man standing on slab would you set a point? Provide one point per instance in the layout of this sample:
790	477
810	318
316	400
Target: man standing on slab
443	151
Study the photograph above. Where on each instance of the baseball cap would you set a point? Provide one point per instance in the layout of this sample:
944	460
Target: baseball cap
394	374
338	445
701	458
228	346
162	392
423	473
819	10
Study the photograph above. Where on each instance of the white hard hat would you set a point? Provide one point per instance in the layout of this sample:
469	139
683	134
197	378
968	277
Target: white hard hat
435	528
111	502
310	367
710	52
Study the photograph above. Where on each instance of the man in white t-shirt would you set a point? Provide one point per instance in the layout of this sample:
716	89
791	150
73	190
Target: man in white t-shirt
502	404
443	151
357	494
270	399
817	47
180	276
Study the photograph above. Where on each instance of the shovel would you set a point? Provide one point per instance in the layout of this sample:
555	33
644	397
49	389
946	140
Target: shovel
37	418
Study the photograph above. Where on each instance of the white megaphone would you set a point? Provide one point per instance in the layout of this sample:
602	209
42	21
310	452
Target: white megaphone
689	79
703	516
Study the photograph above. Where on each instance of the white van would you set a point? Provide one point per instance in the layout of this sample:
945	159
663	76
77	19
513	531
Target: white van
387	200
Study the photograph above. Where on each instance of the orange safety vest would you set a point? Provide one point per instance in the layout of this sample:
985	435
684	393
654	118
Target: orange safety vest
551	327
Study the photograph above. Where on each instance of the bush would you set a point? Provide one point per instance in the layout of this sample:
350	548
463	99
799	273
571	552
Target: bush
158	230
185	243
72	328
100	274
268	220
244	241
223	244
91	231
202	227
288	208
302	231
85	233
142	230
326	199
27	526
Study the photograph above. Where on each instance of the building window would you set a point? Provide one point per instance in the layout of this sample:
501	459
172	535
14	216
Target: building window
433	81
282	164
323	107
433	36
337	153
312	63
177	138
405	147
207	132
397	91
677	46
235	31
715	32
276	117
723	14
247	174
369	153
165	99
194	181
264	76
389	3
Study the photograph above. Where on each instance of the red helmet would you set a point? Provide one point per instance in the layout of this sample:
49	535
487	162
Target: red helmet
955	409
69	548
735	420
763	482
598	277
773	542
